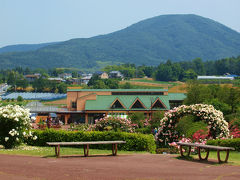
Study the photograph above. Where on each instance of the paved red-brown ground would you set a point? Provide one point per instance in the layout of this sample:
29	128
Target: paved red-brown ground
144	166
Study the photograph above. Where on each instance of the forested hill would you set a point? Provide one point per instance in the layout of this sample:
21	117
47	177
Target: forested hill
149	42
24	47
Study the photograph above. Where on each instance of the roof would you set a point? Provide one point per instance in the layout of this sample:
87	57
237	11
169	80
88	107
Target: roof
104	102
121	90
214	77
35	96
176	96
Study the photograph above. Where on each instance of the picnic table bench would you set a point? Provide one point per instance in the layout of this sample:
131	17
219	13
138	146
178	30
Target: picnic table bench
207	148
85	146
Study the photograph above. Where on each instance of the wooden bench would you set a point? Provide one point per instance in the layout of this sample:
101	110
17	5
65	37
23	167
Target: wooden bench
85	146
207	148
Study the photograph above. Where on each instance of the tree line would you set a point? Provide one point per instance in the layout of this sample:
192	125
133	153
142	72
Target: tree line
179	71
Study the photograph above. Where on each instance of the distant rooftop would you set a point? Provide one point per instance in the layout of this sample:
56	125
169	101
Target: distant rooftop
34	96
215	77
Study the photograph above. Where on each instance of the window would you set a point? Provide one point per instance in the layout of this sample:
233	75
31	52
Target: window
158	105
117	105
137	105
74	104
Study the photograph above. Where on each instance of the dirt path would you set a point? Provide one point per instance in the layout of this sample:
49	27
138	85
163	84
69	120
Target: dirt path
109	167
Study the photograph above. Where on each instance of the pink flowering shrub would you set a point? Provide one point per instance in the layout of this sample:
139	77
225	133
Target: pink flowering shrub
113	124
200	136
235	132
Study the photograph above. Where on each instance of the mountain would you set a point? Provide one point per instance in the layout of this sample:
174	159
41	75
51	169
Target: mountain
149	42
24	47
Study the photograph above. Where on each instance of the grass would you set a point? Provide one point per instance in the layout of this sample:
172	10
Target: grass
64	151
234	157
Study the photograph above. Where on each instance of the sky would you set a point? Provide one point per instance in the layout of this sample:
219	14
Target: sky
40	21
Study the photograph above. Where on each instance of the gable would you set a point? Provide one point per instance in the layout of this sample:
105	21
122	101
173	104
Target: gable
158	105
117	105
137	105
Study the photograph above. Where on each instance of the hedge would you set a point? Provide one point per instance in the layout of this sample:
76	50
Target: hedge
134	141
235	143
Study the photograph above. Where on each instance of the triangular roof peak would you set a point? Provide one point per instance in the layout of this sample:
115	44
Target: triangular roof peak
137	104
117	104
158	104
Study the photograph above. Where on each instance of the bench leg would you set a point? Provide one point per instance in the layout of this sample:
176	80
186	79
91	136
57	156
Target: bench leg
219	158
181	151
114	149
199	154
86	150
57	151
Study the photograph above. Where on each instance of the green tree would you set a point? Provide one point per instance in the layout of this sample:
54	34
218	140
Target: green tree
189	75
20	99
197	93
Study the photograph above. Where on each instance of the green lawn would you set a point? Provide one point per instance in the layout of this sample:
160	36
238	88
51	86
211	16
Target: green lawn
234	157
50	151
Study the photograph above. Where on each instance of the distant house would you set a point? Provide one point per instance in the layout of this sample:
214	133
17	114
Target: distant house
65	75
85	78
56	79
76	81
115	74
102	75
32	77
215	78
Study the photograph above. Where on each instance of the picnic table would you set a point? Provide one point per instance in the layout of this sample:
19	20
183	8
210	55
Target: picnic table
85	146
207	148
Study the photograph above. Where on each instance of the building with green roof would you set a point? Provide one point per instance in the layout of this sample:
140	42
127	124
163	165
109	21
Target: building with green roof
86	105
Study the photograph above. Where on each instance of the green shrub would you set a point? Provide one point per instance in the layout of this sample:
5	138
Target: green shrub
137	118
144	130
156	118
20	99
134	141
235	143
188	126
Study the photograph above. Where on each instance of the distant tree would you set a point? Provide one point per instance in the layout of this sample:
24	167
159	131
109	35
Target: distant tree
189	74
11	80
199	66
111	83
99	84
22	83
93	80
197	93
20	99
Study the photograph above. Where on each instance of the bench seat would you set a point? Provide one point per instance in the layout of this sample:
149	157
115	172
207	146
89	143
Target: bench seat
207	148
85	145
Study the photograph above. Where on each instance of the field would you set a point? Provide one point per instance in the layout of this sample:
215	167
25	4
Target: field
149	83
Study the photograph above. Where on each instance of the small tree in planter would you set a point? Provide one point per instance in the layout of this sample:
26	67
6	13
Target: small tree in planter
15	125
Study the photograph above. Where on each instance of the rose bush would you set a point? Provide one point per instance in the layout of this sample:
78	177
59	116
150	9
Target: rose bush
217	126
113	124
15	125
